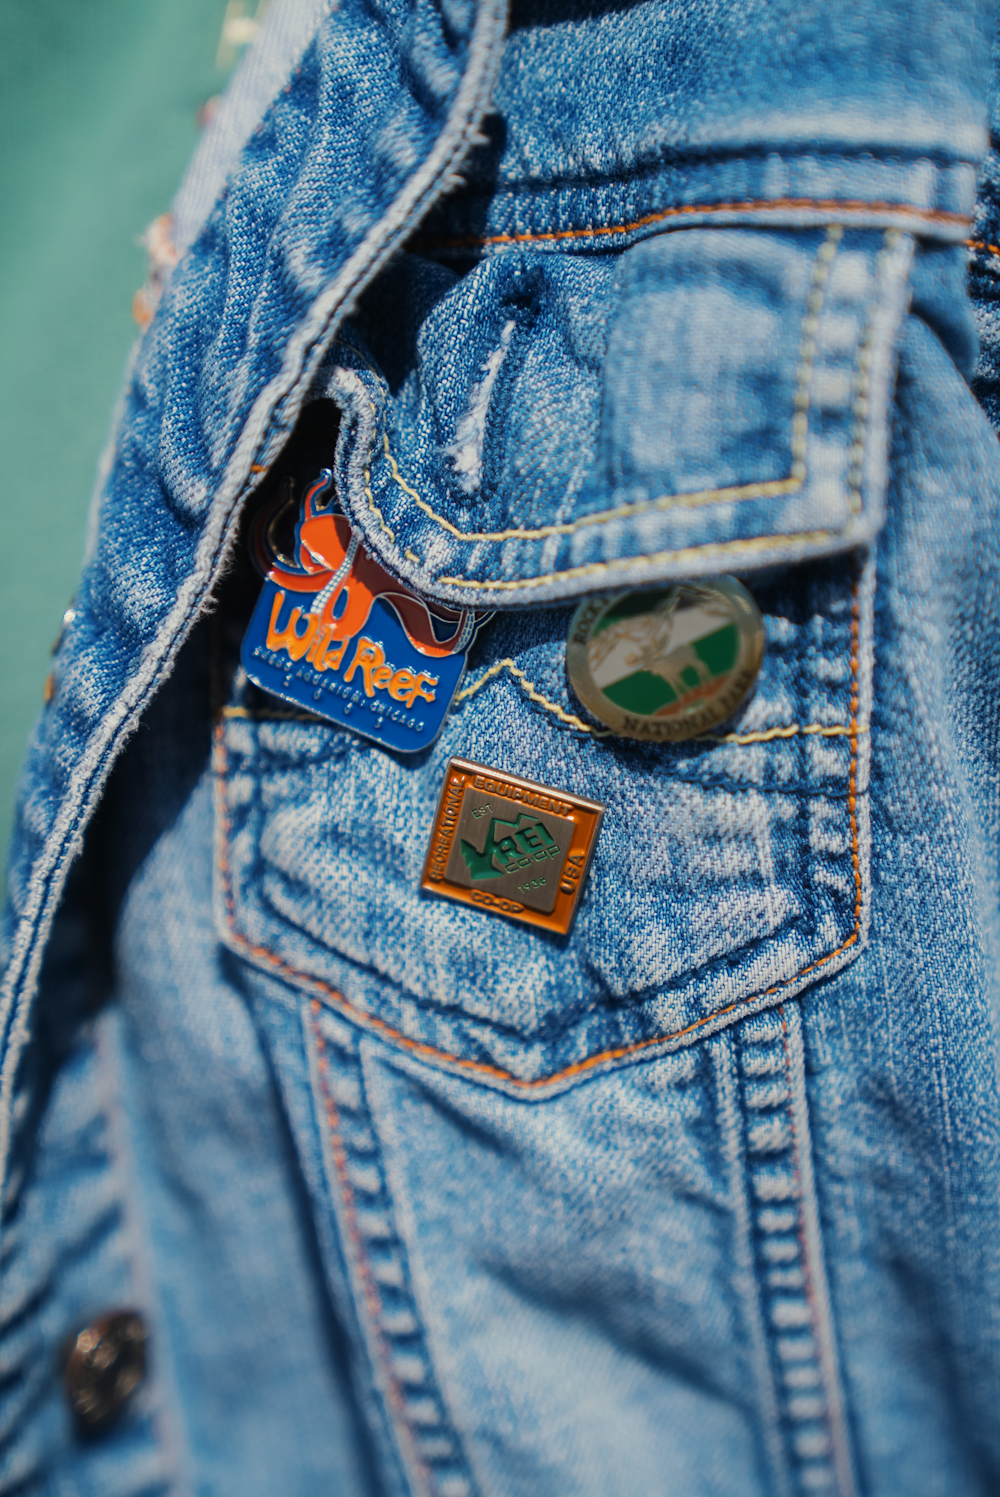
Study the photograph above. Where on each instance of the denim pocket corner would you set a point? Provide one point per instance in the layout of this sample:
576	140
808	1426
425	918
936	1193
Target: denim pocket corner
730	874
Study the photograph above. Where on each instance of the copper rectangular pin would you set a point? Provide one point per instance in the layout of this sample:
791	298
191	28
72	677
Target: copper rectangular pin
511	846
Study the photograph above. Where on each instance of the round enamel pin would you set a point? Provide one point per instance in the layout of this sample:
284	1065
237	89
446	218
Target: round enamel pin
668	663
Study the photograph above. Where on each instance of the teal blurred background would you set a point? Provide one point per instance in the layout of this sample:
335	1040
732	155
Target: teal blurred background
98	107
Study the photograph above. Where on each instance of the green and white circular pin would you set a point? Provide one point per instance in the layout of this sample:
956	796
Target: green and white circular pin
668	663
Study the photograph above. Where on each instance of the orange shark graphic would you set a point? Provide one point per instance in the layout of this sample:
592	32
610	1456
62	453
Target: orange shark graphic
332	565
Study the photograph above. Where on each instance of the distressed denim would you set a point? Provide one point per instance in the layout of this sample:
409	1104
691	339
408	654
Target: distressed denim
701	1198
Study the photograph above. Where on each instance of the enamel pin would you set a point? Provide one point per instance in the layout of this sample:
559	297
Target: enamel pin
510	846
667	663
335	634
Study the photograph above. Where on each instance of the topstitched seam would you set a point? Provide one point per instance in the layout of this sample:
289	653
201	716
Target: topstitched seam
533	695
862	385
368	488
368	1286
765	735
769	489
804	1255
722	549
765	205
837	1456
578	1068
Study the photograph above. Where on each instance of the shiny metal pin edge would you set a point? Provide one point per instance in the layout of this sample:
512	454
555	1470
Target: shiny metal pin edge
469	769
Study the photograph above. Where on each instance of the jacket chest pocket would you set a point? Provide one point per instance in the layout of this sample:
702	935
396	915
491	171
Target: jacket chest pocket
730	873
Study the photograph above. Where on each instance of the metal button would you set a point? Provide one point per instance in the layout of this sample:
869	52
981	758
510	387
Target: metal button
105	1364
666	664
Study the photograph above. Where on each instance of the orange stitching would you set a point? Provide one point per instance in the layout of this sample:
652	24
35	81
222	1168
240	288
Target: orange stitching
419	1047
825	205
852	782
368	1287
981	244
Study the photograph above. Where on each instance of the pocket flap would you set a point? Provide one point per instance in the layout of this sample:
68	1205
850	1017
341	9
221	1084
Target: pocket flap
551	424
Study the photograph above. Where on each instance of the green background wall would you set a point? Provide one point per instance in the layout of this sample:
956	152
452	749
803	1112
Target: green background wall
98	105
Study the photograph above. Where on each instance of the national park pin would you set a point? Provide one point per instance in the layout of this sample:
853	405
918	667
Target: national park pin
667	663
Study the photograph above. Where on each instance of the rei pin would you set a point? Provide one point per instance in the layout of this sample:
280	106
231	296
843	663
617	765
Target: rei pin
511	846
666	664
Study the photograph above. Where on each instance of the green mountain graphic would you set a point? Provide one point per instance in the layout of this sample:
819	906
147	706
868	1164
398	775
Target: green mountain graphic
645	692
506	842
480	864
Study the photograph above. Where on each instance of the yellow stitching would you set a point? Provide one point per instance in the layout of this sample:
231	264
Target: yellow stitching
399	477
768	490
368	490
468	691
687	553
534	694
836	731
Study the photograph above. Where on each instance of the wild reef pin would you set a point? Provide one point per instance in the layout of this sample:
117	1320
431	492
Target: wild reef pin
335	634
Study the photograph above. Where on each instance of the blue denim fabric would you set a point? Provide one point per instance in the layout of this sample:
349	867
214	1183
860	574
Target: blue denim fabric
703	1197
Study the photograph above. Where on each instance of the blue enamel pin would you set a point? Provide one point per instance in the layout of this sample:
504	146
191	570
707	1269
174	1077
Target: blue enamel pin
335	634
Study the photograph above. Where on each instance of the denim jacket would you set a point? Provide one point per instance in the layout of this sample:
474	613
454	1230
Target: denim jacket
703	1197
